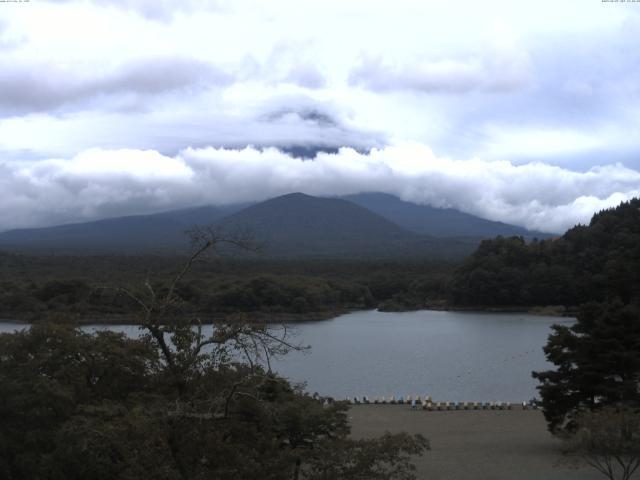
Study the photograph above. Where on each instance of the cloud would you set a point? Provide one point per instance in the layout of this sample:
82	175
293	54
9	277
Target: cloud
501	70
29	87
294	122
98	183
157	10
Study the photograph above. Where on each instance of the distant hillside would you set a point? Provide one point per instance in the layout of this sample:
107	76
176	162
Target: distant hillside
294	225
299	224
588	263
437	222
371	224
157	232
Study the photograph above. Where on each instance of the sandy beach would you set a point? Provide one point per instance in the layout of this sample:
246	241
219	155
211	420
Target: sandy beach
474	444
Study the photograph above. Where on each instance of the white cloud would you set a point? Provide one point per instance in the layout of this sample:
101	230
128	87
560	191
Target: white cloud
498	70
97	183
24	88
537	83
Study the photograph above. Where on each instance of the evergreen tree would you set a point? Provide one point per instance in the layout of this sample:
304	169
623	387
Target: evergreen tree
597	363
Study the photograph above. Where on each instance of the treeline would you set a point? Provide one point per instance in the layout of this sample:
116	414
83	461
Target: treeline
588	263
34	288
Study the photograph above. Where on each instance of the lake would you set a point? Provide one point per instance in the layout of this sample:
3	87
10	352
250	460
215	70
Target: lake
452	356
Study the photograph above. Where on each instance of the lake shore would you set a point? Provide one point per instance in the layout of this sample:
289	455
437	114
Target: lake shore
474	444
542	310
265	317
133	319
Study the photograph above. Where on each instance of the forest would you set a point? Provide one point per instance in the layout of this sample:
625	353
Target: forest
34	288
588	263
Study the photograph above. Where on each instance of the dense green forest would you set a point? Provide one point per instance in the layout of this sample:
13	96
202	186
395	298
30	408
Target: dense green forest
35	288
588	263
593	393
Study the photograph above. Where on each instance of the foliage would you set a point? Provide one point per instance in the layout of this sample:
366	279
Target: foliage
35	288
588	263
609	441
597	364
174	403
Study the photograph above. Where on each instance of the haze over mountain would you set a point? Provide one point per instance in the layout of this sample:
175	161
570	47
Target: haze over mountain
437	222
153	233
291	225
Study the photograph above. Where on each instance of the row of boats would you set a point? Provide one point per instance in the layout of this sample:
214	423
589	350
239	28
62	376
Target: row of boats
426	403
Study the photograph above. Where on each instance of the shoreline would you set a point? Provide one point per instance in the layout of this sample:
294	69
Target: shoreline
546	311
131	319
290	318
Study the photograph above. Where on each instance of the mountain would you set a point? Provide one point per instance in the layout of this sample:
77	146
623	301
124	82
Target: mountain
363	225
437	222
293	225
298	224
156	232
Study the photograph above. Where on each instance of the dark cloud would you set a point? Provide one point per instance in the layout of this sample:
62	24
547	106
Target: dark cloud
315	116
26	88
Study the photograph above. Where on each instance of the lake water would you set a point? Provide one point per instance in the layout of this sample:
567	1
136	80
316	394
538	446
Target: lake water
452	356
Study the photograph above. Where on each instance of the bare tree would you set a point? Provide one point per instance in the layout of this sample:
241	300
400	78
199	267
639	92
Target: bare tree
180	338
609	441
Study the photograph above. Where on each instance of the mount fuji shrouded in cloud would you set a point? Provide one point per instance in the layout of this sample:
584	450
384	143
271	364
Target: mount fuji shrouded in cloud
482	114
290	225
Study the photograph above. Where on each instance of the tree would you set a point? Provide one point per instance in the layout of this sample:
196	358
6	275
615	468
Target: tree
174	403
598	364
609	441
587	263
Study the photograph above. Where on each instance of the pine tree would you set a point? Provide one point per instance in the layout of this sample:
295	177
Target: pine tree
598	364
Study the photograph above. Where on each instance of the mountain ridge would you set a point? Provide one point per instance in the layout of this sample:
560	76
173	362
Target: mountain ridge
295	224
437	222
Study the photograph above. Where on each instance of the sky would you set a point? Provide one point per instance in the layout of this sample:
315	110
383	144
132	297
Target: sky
519	111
